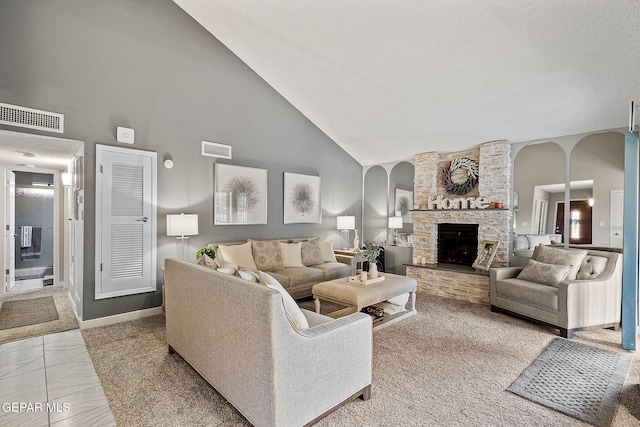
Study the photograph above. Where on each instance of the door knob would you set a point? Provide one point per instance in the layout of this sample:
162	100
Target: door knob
144	219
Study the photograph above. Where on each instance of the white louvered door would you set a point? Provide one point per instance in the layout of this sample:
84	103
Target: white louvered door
125	221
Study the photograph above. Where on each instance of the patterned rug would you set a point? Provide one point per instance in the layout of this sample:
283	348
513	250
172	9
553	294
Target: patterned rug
576	379
14	314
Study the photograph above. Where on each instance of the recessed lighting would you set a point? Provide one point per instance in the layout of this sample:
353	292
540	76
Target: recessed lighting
30	155
29	165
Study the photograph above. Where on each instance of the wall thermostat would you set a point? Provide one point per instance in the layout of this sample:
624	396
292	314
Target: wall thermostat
125	135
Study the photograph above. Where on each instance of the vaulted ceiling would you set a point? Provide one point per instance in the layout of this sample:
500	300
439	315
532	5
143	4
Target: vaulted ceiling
386	80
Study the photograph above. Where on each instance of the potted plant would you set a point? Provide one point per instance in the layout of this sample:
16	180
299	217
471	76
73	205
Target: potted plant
207	254
371	252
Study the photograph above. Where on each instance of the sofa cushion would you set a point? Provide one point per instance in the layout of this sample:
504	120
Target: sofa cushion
294	314
592	267
327	252
545	274
530	293
237	255
267	254
291	254
334	270
311	253
300	275
561	256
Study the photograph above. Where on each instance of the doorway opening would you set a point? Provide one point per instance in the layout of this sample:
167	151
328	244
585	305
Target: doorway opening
33	216
580	221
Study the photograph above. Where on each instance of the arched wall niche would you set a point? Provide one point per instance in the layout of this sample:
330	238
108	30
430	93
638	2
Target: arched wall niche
401	196
578	168
375	201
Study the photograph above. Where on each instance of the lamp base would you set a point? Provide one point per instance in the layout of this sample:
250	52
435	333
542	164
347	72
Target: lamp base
181	251
345	238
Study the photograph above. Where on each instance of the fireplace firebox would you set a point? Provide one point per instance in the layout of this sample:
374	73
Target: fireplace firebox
457	243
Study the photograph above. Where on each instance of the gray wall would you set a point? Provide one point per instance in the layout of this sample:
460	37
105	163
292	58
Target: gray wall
149	66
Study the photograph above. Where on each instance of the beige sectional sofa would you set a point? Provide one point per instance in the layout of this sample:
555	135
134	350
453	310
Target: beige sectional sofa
239	337
297	264
571	289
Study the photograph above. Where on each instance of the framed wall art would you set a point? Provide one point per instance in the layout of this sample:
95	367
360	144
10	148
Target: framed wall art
404	204
302	199
240	195
486	252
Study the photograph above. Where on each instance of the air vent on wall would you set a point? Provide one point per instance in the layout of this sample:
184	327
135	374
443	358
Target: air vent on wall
214	149
14	115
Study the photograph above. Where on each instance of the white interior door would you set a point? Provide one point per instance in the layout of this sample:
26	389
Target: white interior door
10	236
125	222
616	218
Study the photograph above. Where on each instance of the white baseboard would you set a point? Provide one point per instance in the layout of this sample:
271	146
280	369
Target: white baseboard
117	318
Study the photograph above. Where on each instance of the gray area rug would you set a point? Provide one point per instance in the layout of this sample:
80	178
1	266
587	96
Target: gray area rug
579	380
66	317
14	314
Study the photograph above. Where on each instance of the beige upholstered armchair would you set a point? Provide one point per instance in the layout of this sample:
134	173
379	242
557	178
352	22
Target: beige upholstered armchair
590	298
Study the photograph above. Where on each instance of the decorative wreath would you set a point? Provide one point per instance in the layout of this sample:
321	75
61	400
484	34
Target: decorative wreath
472	176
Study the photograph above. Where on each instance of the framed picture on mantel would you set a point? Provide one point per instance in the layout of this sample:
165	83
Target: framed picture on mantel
486	252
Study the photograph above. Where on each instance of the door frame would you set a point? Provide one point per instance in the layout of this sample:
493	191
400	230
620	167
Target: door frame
58	229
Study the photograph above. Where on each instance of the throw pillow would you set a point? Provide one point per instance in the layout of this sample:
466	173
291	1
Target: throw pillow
267	254
227	270
326	248
561	256
311	252
294	314
545	274
207	261
520	242
246	274
238	255
592	267
291	254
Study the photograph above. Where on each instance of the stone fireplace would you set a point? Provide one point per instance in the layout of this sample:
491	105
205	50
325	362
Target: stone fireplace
493	224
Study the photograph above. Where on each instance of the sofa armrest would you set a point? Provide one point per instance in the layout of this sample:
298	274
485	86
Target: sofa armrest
502	273
590	302
349	260
337	325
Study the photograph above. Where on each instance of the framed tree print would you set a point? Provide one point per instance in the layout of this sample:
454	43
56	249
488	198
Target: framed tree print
301	199
404	204
240	195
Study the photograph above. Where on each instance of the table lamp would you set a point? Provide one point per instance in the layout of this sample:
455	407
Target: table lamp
395	222
346	223
182	226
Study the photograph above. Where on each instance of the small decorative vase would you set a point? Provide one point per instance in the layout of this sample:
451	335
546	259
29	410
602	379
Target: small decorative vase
373	270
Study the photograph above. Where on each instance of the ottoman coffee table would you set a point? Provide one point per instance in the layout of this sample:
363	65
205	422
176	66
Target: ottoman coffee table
355	296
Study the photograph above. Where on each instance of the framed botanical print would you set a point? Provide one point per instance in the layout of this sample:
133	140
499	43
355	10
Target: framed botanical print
240	195
302	198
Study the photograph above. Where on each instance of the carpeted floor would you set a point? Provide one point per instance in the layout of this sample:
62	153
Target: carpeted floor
66	317
450	365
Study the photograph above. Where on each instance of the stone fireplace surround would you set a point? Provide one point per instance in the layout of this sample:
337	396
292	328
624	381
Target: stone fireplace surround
494	161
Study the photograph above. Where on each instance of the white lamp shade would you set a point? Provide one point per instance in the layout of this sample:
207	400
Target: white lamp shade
346	222
395	222
182	225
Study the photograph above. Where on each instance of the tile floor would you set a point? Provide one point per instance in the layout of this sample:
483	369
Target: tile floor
50	381
27	285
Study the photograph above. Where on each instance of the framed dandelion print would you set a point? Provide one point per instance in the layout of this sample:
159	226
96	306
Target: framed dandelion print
301	198
240	195
404	204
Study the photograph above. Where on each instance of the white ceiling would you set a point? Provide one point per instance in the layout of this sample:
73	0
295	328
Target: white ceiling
35	151
387	80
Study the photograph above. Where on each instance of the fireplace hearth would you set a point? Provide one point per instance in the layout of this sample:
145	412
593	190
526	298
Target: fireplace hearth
457	243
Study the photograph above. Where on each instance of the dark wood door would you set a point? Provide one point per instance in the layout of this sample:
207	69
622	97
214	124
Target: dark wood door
580	223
